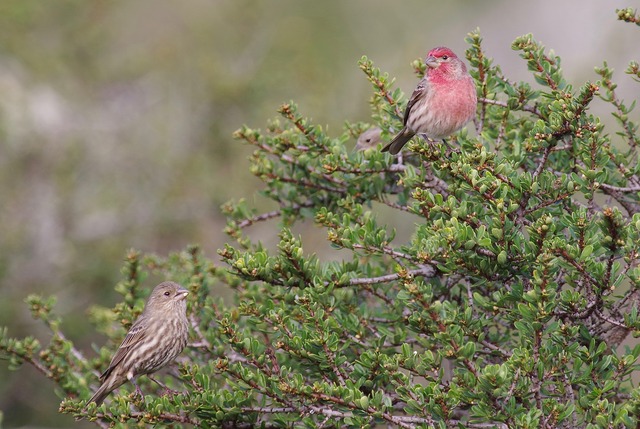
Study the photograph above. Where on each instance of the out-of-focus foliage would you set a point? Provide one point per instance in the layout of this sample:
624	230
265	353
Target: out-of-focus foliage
115	131
511	305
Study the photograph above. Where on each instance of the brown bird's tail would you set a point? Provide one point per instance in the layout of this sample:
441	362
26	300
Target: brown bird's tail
105	388
99	396
399	141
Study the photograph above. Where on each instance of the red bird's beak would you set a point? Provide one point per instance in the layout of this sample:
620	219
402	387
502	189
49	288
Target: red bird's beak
431	62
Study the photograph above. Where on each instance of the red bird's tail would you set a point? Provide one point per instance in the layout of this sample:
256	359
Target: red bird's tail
399	141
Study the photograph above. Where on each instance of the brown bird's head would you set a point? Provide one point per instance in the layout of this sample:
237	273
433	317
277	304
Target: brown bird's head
167	297
443	63
368	139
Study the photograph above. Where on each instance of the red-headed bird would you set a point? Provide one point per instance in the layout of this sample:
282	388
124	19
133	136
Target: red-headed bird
444	100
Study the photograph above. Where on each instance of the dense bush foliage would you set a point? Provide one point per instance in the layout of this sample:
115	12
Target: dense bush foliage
510	305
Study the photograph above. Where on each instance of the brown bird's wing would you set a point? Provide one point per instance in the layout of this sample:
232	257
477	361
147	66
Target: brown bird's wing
134	336
417	94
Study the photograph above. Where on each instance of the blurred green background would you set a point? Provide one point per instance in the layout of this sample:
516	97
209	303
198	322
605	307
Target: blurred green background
116	120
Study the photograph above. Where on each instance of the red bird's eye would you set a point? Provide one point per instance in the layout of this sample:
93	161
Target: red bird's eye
445	57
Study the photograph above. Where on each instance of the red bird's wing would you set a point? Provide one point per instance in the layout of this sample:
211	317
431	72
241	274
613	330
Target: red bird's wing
418	93
135	334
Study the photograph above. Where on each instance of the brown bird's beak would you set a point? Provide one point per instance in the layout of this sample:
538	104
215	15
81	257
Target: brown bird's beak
431	61
182	294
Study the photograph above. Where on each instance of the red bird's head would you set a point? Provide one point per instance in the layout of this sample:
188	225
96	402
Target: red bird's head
442	62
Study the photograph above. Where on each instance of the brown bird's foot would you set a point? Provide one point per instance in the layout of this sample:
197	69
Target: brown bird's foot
170	392
136	399
167	391
139	393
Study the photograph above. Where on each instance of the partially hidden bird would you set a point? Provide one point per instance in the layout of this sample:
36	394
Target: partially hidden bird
154	340
368	139
442	103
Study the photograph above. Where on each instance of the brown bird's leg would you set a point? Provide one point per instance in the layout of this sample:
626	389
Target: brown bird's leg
167	390
138	390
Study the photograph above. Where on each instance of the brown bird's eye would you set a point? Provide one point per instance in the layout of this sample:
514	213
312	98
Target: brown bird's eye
167	293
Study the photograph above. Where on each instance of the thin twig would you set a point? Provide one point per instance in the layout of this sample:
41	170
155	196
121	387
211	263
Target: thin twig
421	272
619	188
523	107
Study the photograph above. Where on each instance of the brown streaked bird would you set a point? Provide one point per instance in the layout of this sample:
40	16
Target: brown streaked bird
154	340
442	103
368	139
